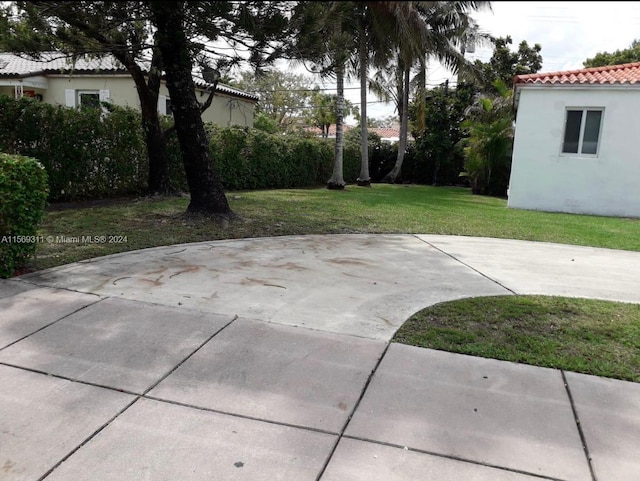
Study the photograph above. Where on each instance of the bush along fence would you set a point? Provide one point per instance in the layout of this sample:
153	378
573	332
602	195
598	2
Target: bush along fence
88	153
23	195
85	153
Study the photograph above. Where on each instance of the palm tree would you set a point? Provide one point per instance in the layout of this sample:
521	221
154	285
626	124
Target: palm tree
425	31
488	147
364	180
323	33
376	37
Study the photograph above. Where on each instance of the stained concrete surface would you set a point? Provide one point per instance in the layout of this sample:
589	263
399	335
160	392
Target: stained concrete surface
304	383
363	285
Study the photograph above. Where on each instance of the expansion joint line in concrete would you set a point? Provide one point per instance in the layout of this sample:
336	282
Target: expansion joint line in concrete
583	439
51	324
466	265
342	435
455	458
353	411
133	401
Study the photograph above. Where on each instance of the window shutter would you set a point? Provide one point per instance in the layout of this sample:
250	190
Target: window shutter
70	97
105	96
162	104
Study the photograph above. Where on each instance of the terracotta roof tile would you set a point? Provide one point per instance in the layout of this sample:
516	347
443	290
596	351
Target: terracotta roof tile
628	73
383	132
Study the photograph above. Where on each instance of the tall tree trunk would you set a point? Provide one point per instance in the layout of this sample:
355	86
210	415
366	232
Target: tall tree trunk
159	182
404	127
337	179
364	179
207	194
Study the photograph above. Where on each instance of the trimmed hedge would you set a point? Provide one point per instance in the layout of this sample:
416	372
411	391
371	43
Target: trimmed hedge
86	153
253	159
23	195
92	154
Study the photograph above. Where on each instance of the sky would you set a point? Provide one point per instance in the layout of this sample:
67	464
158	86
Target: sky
569	33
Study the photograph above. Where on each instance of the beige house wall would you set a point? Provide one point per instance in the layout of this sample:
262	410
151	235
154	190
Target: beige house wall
225	110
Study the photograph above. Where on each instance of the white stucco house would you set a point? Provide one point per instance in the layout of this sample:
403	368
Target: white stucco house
55	80
575	140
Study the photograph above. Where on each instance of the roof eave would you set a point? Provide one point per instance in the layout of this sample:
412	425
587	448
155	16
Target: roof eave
580	86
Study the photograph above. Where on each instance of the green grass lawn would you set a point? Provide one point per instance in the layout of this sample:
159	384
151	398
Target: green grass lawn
594	337
581	335
380	209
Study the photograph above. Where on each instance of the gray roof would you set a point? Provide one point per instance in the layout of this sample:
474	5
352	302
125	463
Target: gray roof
16	66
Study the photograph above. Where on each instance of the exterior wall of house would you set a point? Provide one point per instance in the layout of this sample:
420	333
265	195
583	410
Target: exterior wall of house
543	178
31	87
225	110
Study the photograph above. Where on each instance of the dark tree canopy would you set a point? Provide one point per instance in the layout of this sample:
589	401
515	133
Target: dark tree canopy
506	64
627	55
173	37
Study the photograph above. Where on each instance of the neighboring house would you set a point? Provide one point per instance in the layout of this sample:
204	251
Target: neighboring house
575	141
89	81
389	135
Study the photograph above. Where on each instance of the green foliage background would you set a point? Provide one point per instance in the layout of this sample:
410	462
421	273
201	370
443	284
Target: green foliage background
99	153
23	195
85	152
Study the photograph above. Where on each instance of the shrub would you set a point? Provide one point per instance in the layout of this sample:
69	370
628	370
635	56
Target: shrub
90	154
85	152
23	195
230	157
312	161
254	159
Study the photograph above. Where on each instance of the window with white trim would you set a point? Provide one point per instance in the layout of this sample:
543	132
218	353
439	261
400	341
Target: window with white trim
164	105
86	98
582	131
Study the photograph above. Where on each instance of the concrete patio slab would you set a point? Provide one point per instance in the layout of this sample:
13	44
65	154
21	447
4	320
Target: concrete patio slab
25	308
160	441
116	343
10	288
43	419
363	461
277	373
549	269
503	414
264	397
609	413
363	285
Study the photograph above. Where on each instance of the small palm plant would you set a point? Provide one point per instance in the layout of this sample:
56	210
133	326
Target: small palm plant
489	145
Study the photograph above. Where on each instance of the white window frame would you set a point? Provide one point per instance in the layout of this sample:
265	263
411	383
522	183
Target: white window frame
162	105
80	93
73	97
583	123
